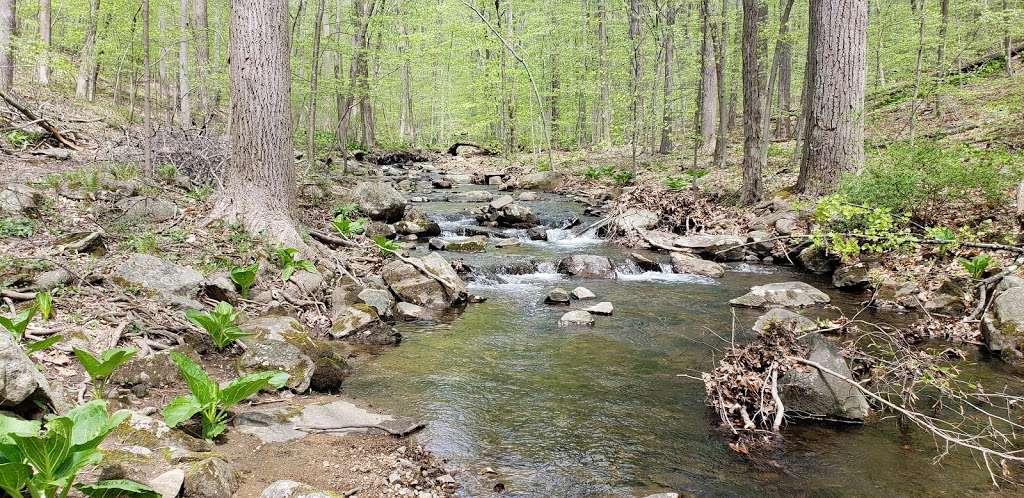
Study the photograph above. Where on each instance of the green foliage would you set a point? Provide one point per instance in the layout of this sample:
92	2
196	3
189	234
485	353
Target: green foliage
211	401
18	323
145	243
289	262
219	324
244	277
348	227
46	463
624	177
17	227
42	344
21	138
385	246
117	488
914	178
44	301
685	179
977	265
598	172
167	171
124	171
200	193
100	369
848	229
946	235
346	209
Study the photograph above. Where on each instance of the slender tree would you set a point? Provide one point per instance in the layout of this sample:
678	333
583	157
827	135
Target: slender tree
668	13
184	94
755	140
834	93
8	26
722	137
259	187
603	108
147	113
201	37
43	69
707	101
314	80
87	66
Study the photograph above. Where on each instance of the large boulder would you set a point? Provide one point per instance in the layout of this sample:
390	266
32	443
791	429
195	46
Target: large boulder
851	277
210	478
360	324
416	222
505	212
147	209
382	301
817	260
263	354
682	263
547	181
634	219
808	392
413	285
379	201
781	295
587	266
158	276
23	388
717	247
577	318
1003	326
17	199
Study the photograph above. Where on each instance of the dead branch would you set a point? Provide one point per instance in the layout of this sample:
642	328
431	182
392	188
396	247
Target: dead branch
16	103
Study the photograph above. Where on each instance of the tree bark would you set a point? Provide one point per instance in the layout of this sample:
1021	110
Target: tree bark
708	102
314	80
259	188
603	110
406	123
636	65
147	117
755	140
1007	39
201	37
8	26
879	47
784	126
360	71
45	23
834	93
668	51
184	97
915	105
87	67
940	56
722	137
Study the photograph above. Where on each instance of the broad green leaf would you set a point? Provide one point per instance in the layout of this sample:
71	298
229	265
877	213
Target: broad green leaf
45	303
244	276
46	453
181	409
14	477
102	367
214	429
119	488
286	273
244	387
19	323
92	424
13	426
66	473
204	389
37	346
88	361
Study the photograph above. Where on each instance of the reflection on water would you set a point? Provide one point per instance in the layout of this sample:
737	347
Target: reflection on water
606	412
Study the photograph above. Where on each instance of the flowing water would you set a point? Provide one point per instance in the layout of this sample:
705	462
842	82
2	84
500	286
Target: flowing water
611	411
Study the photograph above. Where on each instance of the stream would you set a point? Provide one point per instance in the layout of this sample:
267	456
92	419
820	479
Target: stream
610	411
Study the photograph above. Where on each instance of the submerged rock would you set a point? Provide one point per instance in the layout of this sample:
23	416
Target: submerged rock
587	266
683	263
578	318
379	201
808	392
537	233
557	296
413	286
603	309
784	294
582	293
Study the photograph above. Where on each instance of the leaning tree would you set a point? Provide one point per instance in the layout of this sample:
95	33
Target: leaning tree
259	189
834	93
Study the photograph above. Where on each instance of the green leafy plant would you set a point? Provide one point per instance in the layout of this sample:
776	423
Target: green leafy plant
211	401
348	227
46	463
977	265
40	345
44	301
289	262
167	171
848	229
385	246
219	324
592	173
100	369
17	324
346	209
17	227
946	236
244	277
677	182
21	138
624	177
124	171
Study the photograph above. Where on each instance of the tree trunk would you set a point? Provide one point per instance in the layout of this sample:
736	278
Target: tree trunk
259	188
603	111
940	58
147	118
406	123
45	22
879	47
915	105
314	80
784	126
8	26
201	38
360	71
636	64
668	50
755	140
1007	39
184	97
722	137
167	88
834	93
87	67
708	102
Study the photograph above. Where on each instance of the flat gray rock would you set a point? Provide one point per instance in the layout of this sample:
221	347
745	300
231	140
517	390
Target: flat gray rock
781	295
280	424
154	274
292	489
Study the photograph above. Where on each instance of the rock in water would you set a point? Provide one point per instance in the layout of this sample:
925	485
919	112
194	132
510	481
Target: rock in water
644	263
476	243
547	181
471	196
635	219
292	489
528	196
538	233
817	260
557	296
602	309
683	263
380	300
717	247
360	324
410	312
784	295
1003	326
851	277
379	201
22	386
578	318
587	266
808	392
413	286
798	322
582	293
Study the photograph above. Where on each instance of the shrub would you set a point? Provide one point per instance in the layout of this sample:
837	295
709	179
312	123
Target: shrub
848	229
977	265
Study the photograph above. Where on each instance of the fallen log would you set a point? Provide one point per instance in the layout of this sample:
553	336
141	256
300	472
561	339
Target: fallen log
454	149
43	123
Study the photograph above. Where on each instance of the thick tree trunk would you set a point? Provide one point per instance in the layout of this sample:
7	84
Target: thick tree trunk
45	23
755	141
836	66
708	102
201	37
259	188
184	97
314	81
87	67
668	51
8	25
